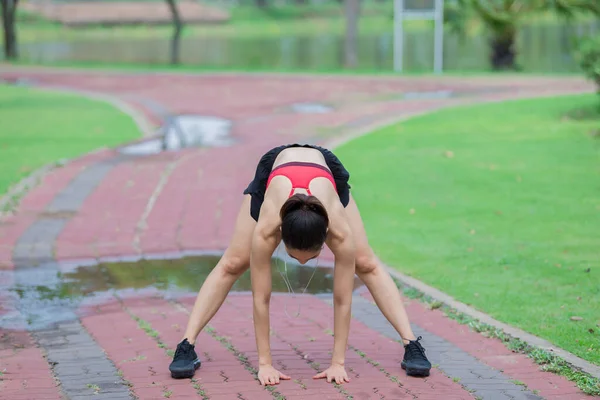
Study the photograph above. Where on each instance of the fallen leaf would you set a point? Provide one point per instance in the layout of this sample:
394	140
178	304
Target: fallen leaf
449	154
412	211
472	232
576	318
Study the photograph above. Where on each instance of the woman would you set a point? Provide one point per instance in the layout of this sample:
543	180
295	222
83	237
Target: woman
300	195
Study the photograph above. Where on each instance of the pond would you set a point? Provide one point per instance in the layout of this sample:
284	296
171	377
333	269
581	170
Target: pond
542	48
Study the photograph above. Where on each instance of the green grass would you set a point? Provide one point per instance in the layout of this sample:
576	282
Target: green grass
497	205
40	128
201	69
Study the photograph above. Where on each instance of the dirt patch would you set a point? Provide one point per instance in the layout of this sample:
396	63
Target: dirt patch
81	13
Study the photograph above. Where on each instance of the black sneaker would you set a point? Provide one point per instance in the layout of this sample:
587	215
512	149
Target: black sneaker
415	361
185	361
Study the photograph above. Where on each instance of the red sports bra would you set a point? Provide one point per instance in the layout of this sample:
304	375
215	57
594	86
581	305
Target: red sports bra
301	174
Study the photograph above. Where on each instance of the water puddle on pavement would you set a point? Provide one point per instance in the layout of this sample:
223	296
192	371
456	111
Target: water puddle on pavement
55	296
183	275
184	131
311	108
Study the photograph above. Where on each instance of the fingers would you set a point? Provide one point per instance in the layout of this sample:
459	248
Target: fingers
273	379
320	375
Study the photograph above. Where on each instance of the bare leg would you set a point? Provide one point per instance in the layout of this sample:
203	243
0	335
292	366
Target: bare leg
231	266
377	279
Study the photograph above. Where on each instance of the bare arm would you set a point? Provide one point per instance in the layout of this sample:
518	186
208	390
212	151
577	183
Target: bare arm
342	246
264	243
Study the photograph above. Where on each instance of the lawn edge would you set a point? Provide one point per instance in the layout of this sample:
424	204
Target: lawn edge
131	69
515	339
528	342
10	201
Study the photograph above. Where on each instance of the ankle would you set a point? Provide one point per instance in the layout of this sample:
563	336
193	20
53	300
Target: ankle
190	341
407	341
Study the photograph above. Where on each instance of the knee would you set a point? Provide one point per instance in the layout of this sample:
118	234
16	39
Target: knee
233	265
366	264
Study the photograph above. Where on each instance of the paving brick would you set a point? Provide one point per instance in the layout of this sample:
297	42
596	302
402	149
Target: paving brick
136	355
113	206
220	369
492	353
452	361
25	371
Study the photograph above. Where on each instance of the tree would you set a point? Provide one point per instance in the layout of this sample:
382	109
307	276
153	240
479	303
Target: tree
352	11
9	11
178	27
502	18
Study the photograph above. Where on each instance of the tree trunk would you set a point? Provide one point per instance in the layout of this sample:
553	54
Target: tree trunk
352	11
261	3
503	56
9	12
178	25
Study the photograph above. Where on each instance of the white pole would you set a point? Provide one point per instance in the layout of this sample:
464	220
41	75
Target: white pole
438	50
398	34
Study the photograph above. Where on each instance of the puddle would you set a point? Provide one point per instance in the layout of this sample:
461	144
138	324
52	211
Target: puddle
185	131
45	296
311	108
437	94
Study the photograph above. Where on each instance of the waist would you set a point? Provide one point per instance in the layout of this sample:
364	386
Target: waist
302	164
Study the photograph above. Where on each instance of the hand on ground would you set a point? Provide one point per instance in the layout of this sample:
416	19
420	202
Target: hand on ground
335	373
267	375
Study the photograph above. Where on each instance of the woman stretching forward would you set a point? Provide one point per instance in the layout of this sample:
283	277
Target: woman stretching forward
300	195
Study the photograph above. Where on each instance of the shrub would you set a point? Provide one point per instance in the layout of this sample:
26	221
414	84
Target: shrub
589	59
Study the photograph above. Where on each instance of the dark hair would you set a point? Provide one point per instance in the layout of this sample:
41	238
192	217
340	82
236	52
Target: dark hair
304	223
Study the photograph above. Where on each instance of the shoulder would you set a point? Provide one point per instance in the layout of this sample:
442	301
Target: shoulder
269	221
340	233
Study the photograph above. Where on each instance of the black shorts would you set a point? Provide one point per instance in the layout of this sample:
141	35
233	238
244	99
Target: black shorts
258	186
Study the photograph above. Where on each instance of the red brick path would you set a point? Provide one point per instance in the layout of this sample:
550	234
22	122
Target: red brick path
195	210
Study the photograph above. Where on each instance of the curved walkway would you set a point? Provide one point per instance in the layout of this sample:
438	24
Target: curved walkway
107	206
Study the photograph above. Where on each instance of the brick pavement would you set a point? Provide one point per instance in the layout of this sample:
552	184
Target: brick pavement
105	206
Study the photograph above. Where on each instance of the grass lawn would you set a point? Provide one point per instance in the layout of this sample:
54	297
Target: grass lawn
497	205
40	127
